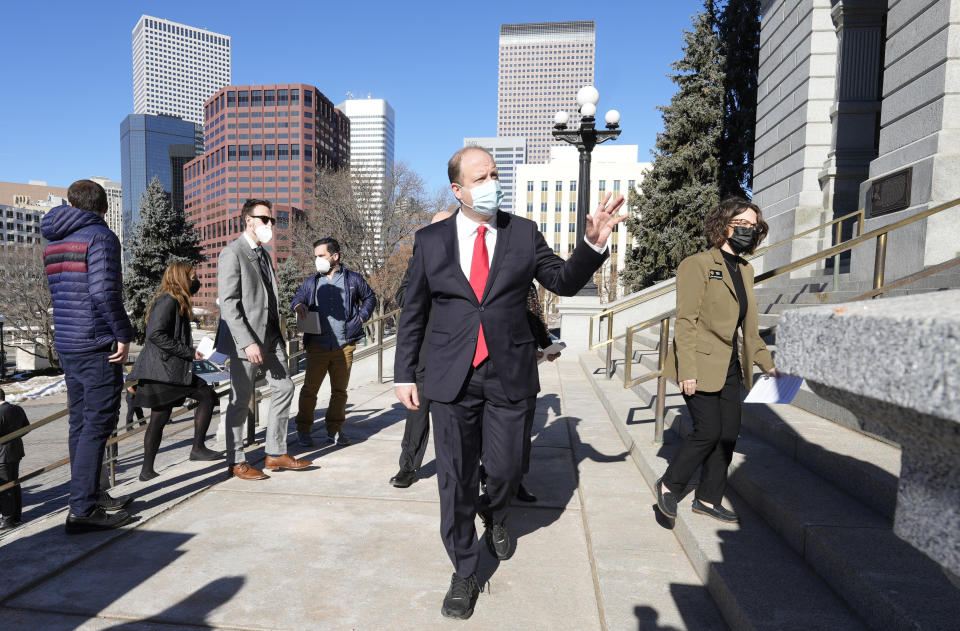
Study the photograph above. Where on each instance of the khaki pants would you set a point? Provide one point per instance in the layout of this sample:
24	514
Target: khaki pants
320	362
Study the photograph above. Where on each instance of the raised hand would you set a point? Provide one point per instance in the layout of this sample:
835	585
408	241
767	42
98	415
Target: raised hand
600	224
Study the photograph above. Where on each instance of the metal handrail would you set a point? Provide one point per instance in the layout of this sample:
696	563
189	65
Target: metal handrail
880	234
671	284
128	431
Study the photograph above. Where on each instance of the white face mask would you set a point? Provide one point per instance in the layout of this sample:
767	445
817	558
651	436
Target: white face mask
264	233
323	265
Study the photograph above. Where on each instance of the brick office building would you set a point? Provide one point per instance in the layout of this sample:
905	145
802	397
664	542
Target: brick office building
261	141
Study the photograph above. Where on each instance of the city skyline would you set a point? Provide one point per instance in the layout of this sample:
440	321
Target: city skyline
453	96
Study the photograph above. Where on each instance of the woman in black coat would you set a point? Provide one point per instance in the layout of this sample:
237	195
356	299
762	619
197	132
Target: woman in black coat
164	369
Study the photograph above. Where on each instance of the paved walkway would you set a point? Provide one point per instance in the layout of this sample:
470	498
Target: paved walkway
336	547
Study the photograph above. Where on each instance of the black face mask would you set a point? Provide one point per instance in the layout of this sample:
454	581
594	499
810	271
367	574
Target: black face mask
742	239
194	287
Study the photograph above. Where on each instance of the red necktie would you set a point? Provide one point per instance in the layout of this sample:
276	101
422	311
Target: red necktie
479	270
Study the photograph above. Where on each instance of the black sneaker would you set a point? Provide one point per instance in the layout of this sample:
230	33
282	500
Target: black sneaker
666	500
717	512
461	597
110	503
403	479
498	541
97	520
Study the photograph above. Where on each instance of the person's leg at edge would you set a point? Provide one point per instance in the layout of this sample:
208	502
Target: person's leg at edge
151	441
202	414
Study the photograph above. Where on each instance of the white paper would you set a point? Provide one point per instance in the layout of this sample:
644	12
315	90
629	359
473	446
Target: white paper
205	348
553	349
309	324
769	390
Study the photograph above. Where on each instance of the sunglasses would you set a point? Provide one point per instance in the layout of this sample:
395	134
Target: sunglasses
265	218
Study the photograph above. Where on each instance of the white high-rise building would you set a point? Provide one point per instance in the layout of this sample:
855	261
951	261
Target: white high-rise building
176	67
114	216
509	152
548	196
371	149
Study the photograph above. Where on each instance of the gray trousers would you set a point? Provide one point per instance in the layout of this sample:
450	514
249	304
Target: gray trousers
242	374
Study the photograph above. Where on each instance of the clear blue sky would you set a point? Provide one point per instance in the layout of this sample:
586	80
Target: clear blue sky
67	70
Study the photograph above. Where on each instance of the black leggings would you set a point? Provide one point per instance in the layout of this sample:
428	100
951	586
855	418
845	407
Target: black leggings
205	398
716	425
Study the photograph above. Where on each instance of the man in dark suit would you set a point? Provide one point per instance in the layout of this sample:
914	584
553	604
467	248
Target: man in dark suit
12	418
481	372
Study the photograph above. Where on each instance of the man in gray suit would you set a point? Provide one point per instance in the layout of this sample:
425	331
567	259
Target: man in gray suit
250	334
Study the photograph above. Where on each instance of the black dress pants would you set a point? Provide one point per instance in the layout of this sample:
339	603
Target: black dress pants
416	431
481	417
11	500
716	425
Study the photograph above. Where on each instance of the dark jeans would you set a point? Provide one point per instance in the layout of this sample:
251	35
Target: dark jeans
11	500
416	431
93	390
716	425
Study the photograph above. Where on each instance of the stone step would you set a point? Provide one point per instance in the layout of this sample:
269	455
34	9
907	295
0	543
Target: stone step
835	534
757	581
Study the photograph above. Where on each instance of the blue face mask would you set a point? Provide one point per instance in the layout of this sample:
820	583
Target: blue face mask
486	198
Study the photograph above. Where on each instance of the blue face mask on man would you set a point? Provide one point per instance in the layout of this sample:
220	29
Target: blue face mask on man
486	198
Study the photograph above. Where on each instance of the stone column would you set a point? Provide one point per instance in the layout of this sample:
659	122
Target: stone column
894	363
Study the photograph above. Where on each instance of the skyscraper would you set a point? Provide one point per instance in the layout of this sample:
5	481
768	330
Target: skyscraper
371	152
114	216
542	65
154	146
264	142
508	153
177	67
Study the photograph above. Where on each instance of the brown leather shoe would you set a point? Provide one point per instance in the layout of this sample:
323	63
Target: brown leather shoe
245	472
286	461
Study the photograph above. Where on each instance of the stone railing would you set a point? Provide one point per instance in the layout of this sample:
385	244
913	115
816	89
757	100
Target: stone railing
895	363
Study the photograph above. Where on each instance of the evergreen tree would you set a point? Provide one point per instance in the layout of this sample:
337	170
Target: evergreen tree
683	182
160	237
738	27
289	279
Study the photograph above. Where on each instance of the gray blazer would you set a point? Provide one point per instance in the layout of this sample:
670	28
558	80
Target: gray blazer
243	299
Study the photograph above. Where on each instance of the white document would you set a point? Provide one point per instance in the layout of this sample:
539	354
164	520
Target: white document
769	390
309	324
553	349
205	347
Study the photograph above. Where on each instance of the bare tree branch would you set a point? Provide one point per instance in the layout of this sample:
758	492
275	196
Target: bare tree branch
25	302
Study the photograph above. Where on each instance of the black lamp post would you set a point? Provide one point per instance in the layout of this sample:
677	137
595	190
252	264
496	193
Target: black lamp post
3	352
585	139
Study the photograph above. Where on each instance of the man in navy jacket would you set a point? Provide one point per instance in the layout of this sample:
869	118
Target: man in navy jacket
343	301
92	335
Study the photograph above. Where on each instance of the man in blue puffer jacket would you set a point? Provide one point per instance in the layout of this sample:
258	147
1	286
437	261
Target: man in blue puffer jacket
92	335
343	301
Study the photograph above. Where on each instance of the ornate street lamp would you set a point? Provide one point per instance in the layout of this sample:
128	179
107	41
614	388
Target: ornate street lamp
585	139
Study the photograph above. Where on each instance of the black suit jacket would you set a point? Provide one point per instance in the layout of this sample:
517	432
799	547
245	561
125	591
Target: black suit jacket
437	283
12	418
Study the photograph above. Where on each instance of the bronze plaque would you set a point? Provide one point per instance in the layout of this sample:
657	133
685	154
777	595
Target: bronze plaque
891	193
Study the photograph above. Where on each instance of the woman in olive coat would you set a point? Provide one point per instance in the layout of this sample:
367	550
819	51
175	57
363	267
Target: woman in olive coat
715	345
164	368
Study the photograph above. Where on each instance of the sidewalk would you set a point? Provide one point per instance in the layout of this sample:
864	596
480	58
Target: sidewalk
337	547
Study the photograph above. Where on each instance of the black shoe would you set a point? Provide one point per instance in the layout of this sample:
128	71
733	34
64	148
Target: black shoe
107	502
97	520
461	597
666	500
524	495
9	523
403	479
717	512
498	541
203	454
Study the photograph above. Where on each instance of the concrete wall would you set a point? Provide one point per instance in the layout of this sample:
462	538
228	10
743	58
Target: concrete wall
920	129
797	77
